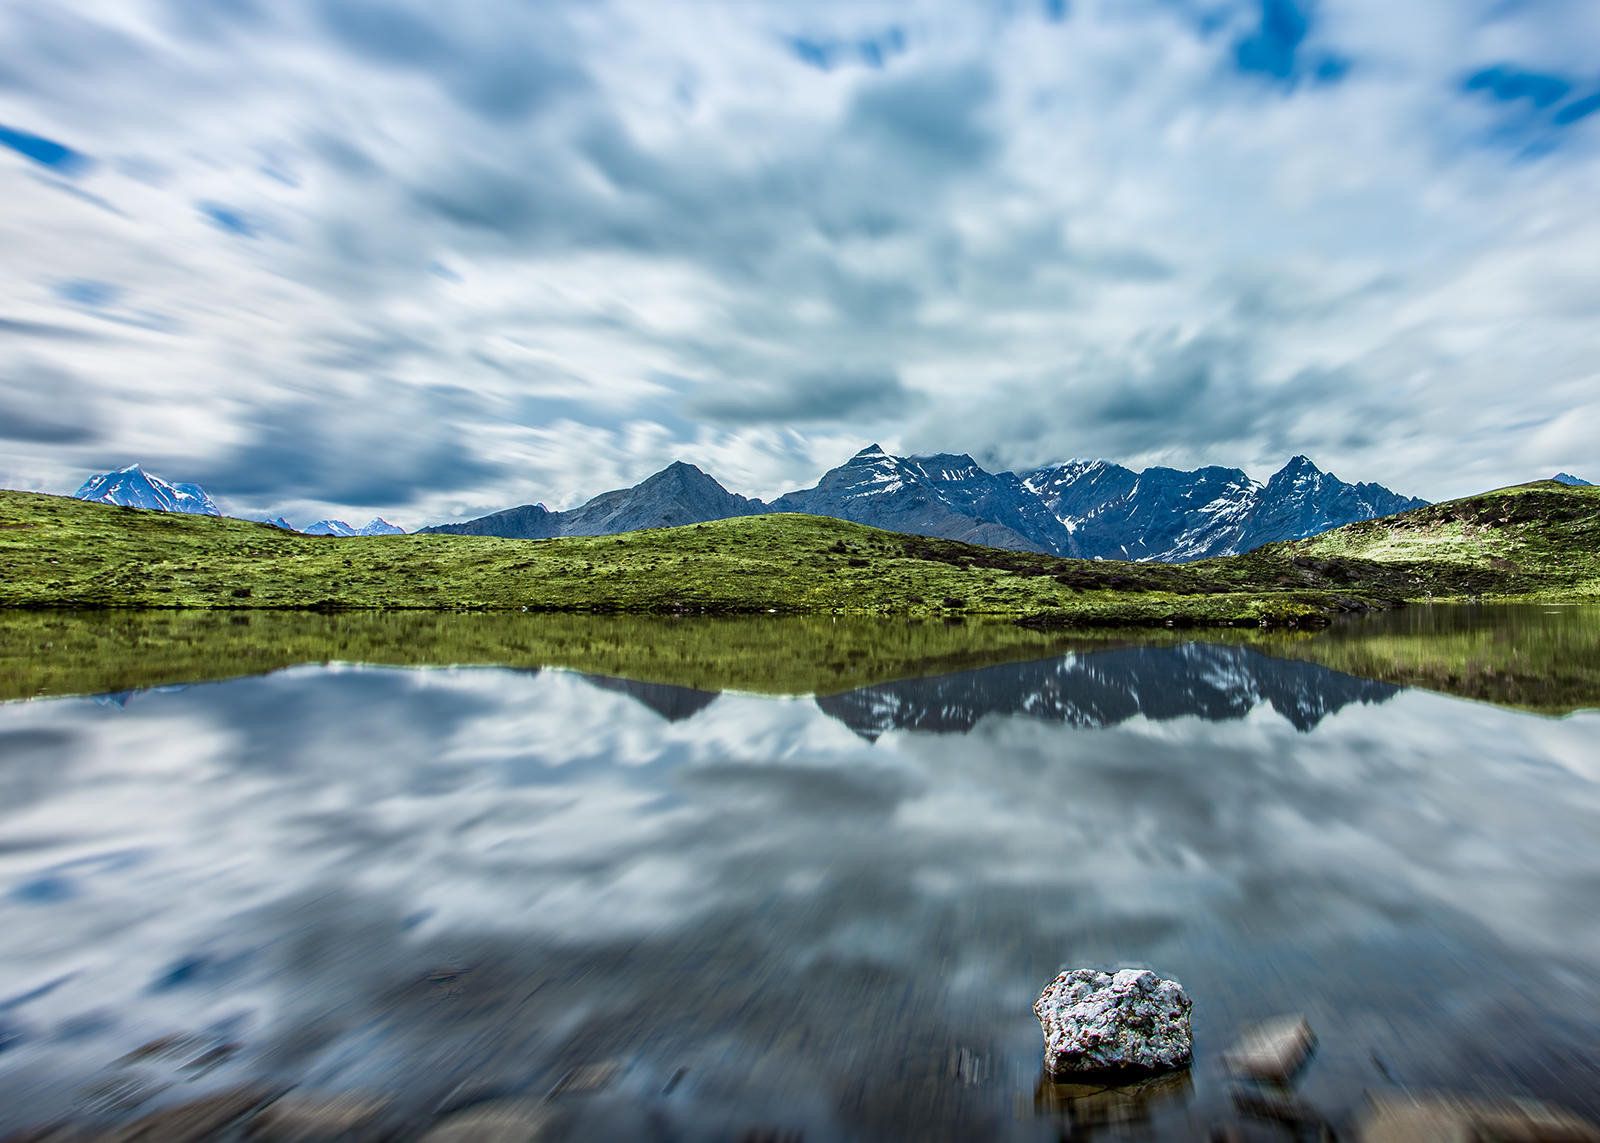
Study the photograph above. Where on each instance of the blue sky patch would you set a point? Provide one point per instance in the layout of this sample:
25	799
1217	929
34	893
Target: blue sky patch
231	220
89	292
1276	48
46	152
827	53
1510	84
1536	105
1578	109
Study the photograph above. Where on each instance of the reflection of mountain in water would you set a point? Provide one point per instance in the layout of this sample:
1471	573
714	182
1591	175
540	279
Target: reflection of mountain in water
1101	688
672	703
1107	687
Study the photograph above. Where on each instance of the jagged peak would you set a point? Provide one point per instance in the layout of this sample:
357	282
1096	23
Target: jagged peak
1298	466
682	473
872	451
680	470
1571	481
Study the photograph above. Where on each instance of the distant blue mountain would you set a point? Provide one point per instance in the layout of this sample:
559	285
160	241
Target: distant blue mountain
678	494
1569	479
133	487
1086	509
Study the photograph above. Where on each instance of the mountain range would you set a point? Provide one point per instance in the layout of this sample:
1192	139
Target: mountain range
1084	509
377	526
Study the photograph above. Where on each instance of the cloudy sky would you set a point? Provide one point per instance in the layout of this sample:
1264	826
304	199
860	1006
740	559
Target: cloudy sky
431	260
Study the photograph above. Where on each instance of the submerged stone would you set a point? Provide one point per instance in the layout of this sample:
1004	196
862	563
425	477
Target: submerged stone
199	1119
1273	1050
1448	1119
1131	1021
308	1118
501	1121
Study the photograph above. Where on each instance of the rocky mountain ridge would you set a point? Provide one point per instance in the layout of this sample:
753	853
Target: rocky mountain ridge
1078	508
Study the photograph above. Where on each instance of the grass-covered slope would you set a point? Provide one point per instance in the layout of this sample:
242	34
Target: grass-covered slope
58	552
1540	540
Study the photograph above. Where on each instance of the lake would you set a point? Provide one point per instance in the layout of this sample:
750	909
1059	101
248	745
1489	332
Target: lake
773	880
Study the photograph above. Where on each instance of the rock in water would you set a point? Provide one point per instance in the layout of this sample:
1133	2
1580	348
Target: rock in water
1274	1050
1131	1021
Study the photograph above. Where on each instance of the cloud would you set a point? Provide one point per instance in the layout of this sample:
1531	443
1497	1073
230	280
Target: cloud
44	405
380	445
1048	223
812	398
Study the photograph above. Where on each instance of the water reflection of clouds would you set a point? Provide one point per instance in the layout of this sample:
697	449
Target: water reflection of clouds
316	841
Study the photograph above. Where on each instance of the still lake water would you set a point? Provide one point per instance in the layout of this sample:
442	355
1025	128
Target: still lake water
821	916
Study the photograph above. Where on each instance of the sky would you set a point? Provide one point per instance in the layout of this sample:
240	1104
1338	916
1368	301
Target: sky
346	257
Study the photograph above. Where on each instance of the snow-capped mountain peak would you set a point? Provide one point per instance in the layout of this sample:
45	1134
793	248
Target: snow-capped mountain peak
378	526
133	487
331	528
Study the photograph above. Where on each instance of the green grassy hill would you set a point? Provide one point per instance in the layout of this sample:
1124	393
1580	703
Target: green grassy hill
1538	540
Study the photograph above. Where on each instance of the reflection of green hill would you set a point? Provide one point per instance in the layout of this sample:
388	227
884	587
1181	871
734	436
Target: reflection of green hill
1530	656
93	652
1522	656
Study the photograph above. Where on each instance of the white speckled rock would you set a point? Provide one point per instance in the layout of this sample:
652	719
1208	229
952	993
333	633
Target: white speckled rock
1127	1021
